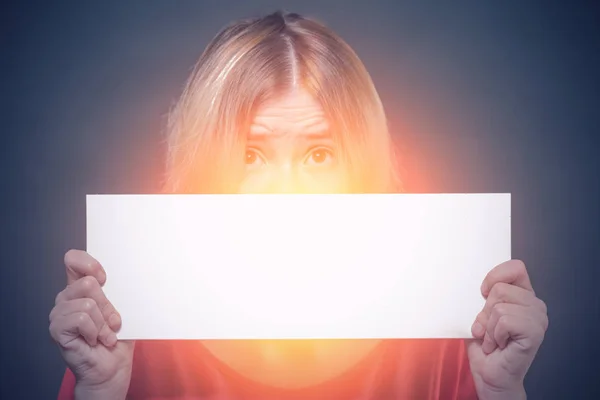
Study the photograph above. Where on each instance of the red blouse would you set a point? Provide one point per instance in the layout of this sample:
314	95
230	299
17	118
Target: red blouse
398	369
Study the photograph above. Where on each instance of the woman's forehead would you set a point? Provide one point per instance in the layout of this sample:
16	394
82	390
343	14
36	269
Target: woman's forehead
295	113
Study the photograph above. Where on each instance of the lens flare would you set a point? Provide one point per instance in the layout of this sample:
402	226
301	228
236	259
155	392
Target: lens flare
291	364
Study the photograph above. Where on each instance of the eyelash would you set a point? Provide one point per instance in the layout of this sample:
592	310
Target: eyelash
256	152
311	152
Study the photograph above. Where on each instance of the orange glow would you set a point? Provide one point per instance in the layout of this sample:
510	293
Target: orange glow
291	363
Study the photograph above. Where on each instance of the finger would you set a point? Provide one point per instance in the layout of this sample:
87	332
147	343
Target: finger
65	329
90	307
88	287
79	305
512	272
507	293
521	329
489	344
79	263
490	341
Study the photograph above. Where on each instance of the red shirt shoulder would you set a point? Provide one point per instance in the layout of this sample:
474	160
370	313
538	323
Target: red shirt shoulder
431	369
401	369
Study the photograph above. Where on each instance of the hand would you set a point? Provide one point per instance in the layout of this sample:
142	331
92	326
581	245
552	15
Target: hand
83	323
508	331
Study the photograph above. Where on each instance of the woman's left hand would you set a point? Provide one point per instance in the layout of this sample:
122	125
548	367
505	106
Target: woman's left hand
508	331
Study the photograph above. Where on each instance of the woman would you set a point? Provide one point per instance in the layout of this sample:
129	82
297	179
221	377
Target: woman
281	104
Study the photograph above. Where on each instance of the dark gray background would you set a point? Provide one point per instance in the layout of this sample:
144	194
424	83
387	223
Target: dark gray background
483	97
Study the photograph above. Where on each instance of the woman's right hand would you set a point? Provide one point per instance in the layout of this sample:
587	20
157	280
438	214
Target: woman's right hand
83	323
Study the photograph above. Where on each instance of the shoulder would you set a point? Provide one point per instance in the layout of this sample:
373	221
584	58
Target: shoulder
172	369
430	368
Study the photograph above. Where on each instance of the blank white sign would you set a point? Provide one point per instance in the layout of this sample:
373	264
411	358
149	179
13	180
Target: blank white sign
297	266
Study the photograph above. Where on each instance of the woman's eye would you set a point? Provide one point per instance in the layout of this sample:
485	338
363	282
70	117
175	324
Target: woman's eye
253	158
319	156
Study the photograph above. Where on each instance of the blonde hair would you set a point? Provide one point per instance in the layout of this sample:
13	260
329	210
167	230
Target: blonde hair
254	60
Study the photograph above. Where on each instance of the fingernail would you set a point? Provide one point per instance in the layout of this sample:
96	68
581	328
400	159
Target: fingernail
477	329
111	339
484	288
488	345
114	321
